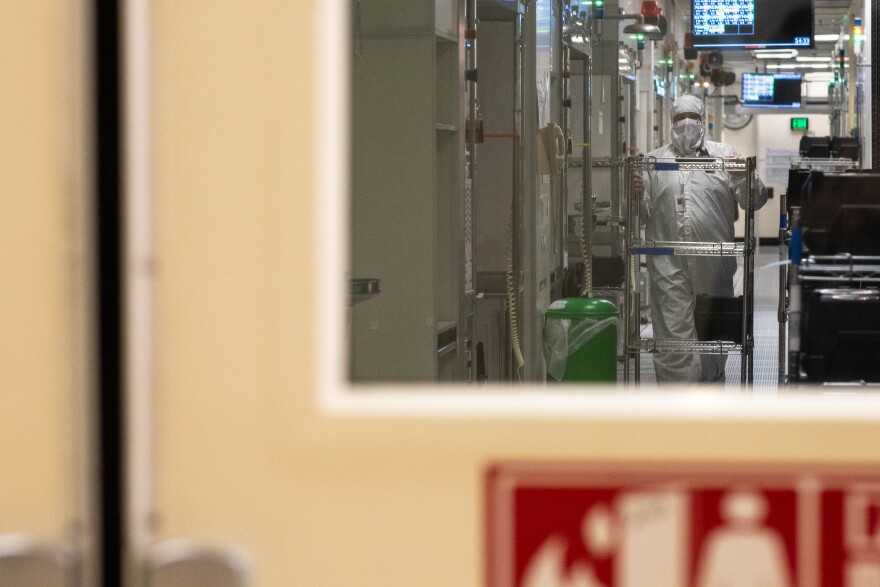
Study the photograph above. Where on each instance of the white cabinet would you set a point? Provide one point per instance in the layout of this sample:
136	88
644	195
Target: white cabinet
408	165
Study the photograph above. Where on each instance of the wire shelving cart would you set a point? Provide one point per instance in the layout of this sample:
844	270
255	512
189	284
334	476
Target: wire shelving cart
637	247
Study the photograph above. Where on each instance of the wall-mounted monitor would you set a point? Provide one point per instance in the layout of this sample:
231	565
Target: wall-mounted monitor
772	90
751	24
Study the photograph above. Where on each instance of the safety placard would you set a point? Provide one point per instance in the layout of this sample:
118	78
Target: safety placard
580	525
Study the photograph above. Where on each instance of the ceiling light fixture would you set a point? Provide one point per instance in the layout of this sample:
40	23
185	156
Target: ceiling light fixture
639	27
776	54
818	76
826	38
824	66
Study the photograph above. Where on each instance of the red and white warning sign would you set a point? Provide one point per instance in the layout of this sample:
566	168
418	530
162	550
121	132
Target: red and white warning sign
570	525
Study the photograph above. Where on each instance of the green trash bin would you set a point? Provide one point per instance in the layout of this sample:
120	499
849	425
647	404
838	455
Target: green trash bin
580	340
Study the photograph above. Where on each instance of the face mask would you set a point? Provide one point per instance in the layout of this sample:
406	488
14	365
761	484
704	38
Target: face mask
687	135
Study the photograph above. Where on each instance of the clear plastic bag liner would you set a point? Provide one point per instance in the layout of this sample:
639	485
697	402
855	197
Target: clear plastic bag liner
563	337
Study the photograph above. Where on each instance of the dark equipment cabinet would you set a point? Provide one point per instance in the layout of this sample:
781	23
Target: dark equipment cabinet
835	277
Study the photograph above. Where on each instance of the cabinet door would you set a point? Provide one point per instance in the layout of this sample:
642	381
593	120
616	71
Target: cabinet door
47	363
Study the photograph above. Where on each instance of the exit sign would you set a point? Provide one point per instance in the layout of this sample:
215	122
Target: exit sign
800	123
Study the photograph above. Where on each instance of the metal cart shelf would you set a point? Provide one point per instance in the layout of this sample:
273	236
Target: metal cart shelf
853	270
684	248
674	345
824	164
636	247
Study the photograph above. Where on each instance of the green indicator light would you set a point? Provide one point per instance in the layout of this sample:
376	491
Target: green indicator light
800	123
600	2
692	76
640	37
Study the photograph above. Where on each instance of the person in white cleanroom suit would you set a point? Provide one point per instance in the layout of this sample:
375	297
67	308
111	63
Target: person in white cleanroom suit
694	206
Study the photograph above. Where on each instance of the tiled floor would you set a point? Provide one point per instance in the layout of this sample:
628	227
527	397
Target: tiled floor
766	324
766	330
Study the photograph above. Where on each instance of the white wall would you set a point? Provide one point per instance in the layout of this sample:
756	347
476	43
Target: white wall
771	131
244	451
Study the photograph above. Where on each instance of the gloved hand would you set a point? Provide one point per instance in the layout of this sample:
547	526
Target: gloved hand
638	183
736	174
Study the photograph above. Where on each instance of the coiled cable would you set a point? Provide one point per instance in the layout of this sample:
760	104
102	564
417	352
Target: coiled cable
587	284
511	305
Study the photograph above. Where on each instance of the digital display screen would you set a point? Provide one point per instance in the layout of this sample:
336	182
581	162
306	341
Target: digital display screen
757	88
772	90
751	24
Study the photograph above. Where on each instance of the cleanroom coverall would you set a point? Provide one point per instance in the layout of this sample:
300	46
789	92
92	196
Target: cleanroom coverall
693	206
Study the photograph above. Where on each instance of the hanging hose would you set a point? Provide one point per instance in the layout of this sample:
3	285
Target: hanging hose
587	181
511	306
555	206
518	181
587	285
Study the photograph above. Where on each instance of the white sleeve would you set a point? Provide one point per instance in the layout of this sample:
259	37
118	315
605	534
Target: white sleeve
645	204
739	184
740	190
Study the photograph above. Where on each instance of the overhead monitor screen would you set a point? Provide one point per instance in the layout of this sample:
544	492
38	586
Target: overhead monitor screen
772	90
751	24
